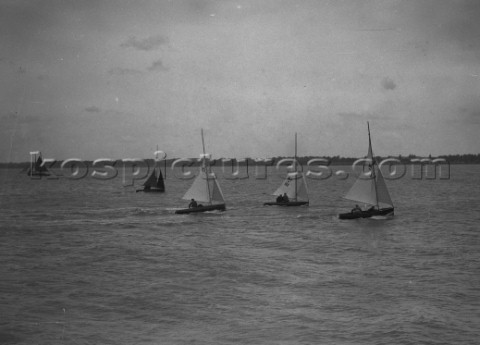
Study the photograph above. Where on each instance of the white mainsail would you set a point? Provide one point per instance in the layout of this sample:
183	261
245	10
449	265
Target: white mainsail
295	185
370	188
217	195
295	190
205	187
383	197
205	191
198	190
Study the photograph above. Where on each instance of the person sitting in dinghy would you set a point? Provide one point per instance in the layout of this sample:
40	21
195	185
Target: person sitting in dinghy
356	209
192	204
279	198
285	197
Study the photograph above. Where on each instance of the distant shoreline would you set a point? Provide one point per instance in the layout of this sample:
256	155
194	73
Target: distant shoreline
332	161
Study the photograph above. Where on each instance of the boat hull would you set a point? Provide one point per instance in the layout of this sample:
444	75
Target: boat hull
151	190
36	173
367	214
289	203
219	207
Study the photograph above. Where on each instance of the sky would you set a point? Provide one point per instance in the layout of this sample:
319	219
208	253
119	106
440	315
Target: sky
92	79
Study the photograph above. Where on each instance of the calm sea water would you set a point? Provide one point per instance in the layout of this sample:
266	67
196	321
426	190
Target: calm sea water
92	262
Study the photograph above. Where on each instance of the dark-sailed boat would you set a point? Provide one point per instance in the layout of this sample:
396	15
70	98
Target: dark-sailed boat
294	186
153	183
205	189
36	167
370	189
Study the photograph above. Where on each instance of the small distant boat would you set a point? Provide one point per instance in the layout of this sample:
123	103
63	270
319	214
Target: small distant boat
370	190
205	189
36	168
295	187
153	183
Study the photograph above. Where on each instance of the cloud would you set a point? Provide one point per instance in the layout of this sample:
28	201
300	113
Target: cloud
349	116
157	66
92	109
9	116
146	44
388	84
14	117
120	71
469	116
128	139
460	23
123	71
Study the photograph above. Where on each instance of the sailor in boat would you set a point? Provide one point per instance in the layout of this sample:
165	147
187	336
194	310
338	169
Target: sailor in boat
285	197
279	198
356	209
192	204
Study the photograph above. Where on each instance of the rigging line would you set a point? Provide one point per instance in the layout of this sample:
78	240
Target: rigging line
207	172
296	174
373	165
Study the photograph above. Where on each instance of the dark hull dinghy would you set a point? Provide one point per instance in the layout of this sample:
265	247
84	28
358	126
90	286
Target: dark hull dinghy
205	189
370	189
153	184
36	167
389	211
294	187
201	208
289	203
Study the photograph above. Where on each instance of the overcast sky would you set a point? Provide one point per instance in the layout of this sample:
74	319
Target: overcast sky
114	78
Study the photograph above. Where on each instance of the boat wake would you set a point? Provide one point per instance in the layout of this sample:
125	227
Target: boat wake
173	208
382	217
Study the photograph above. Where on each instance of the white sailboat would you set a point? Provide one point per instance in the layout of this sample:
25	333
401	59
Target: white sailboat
205	189
370	190
294	187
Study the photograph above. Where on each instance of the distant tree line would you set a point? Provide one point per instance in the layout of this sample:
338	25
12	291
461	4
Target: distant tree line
330	160
463	159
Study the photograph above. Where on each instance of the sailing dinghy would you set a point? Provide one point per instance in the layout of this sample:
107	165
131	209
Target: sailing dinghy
294	186
36	167
205	189
153	183
370	189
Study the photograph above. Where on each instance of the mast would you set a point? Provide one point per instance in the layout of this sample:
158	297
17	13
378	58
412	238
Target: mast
165	166
295	162
156	161
373	165
205	168
33	160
